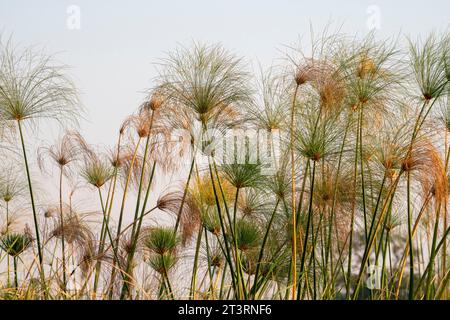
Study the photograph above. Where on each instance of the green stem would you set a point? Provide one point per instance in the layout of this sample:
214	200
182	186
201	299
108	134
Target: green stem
294	215
61	217
108	232
261	252
437	248
135	237
428	288
308	223
141	181
361	165
222	226
7	229
186	187
122	208
236	250
410	238
195	265
333	206
33	206
16	282
371	239
352	219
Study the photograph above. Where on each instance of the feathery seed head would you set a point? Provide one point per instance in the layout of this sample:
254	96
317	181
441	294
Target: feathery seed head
15	243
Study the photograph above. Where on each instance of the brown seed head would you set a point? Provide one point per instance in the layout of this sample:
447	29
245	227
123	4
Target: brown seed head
155	101
366	67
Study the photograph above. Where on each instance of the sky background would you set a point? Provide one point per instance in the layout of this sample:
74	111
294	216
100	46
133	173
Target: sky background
112	53
112	46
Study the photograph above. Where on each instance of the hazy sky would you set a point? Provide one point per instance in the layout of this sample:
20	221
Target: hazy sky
112	52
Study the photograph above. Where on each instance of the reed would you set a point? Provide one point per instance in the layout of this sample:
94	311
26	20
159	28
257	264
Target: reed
325	178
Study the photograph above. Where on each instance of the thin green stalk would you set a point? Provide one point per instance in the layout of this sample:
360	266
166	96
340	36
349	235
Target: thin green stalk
294	215
101	242
380	194
33	206
261	251
444	251
437	248
222	193
361	165
222	282
443	286
111	201
122	208
16	282
7	229
169	287
428	288
183	199
193	289
105	223
384	279
402	263
236	250
410	237
208	257
141	180
222	226
125	191
135	236
299	209
108	231
372	236
308	223
352	219
61	217
333	206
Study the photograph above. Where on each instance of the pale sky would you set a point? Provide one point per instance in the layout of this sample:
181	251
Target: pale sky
113	51
112	54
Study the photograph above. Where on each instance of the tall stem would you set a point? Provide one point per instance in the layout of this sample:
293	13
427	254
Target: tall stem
16	282
361	165
433	253
294	216
222	225
352	219
7	216
183	199
240	278
193	289
33	206
261	252
127	182
141	181
308	222
111	201
135	235
444	251
410	237
122	208
372	237
7	229
299	209
102	237
108	233
61	218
